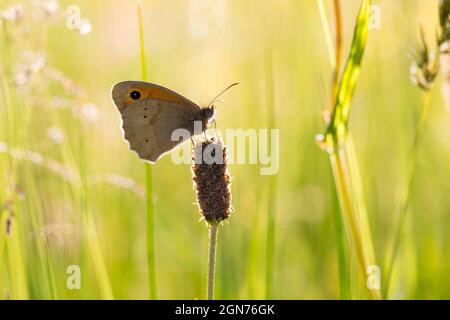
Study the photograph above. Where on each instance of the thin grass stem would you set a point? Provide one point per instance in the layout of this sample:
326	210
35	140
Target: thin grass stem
151	260
338	50
327	33
270	232
344	280
212	248
335	56
339	143
409	188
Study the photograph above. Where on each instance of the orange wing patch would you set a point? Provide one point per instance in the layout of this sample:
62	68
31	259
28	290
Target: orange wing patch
153	93
122	94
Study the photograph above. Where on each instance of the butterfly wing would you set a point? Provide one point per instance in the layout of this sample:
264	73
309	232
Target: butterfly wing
121	94
148	123
148	126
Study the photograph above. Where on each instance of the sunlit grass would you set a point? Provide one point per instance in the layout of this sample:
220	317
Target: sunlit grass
341	150
151	264
271	194
83	199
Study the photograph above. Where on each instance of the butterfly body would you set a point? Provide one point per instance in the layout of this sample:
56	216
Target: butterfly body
151	113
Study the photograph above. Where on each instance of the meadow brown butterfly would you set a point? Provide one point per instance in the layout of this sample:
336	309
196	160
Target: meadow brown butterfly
150	113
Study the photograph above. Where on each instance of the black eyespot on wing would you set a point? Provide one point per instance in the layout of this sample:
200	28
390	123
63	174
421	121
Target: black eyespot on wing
135	95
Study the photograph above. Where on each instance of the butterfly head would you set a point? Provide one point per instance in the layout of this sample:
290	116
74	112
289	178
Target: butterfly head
209	112
207	116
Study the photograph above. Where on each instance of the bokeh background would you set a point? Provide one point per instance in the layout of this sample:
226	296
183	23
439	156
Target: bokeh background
72	193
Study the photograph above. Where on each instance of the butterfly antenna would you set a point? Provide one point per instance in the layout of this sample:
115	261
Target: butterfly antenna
222	92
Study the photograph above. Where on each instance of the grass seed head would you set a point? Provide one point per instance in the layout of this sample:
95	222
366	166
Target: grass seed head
212	180
425	67
444	21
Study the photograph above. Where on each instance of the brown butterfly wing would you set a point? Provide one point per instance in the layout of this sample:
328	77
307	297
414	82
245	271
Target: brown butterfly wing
148	126
149	121
121	94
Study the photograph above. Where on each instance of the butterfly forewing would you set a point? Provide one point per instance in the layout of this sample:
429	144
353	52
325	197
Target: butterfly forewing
150	115
122	99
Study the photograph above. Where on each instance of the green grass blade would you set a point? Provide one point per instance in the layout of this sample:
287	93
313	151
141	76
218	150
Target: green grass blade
343	160
270	233
17	260
408	195
334	55
327	33
96	256
342	249
151	264
337	128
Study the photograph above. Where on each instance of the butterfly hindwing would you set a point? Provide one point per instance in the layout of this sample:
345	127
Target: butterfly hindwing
148	126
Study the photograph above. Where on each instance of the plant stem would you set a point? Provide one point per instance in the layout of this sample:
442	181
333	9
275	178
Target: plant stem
363	246
410	182
342	186
335	57
327	33
341	246
339	145
270	233
212	248
338	51
151	264
142	42
344	280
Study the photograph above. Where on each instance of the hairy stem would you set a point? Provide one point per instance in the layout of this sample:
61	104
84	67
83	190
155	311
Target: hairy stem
212	248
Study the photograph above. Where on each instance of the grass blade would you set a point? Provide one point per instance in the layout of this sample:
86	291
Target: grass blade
270	233
337	128
409	191
151	264
335	55
342	155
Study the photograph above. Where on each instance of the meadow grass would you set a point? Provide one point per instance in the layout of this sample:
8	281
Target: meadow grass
341	150
80	200
151	264
424	71
271	194
335	53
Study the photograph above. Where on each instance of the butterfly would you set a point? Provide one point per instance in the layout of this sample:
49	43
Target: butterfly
151	113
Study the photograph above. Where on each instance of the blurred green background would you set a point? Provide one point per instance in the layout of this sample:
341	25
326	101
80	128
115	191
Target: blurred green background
72	193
